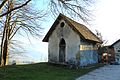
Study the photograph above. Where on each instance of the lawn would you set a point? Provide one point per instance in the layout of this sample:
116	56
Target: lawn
42	71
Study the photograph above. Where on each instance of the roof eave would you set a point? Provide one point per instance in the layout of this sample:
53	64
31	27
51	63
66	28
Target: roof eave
46	38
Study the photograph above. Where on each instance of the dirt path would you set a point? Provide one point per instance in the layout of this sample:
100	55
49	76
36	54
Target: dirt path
109	72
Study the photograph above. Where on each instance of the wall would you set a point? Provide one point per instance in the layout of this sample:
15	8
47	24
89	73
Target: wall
88	57
117	51
88	53
111	54
71	38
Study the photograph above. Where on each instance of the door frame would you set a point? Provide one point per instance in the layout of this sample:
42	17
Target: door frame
62	50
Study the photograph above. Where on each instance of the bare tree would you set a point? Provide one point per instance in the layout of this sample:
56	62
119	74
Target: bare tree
75	8
24	19
99	35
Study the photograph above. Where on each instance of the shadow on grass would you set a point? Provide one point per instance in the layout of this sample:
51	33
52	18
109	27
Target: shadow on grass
43	71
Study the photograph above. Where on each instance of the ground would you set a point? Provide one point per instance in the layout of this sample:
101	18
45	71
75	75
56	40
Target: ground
108	72
42	71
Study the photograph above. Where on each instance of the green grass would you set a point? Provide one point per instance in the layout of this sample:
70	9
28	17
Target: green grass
42	71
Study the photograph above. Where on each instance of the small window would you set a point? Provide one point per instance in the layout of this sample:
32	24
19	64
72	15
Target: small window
62	24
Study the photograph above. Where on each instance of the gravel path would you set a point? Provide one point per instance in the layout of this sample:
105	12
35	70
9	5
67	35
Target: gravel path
108	72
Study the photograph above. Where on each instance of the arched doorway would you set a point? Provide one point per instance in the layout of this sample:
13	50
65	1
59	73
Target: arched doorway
62	46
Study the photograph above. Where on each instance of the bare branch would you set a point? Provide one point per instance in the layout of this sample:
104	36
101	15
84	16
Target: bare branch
15	8
13	33
2	4
75	8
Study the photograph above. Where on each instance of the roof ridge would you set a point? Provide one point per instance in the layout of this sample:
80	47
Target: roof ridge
115	42
80	25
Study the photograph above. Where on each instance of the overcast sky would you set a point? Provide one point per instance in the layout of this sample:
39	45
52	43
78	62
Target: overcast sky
108	20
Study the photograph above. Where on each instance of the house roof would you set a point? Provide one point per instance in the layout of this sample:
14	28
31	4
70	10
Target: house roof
115	42
79	28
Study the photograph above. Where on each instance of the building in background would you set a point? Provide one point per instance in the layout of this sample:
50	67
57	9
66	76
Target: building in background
116	46
106	54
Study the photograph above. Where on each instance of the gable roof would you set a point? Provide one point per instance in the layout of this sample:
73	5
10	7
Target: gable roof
115	42
79	28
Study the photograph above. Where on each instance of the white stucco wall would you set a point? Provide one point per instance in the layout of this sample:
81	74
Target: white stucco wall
71	38
117	51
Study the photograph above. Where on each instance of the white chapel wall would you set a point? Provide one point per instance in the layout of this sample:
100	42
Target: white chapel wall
71	38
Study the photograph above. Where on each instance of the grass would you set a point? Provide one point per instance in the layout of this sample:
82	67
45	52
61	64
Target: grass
42	71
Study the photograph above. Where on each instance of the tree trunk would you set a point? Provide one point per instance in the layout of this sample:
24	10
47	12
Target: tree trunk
4	43
5	38
4	46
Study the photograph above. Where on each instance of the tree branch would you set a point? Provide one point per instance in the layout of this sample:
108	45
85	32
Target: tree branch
15	8
2	4
14	33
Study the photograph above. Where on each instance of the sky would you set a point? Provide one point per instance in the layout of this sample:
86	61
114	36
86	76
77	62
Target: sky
107	17
107	20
